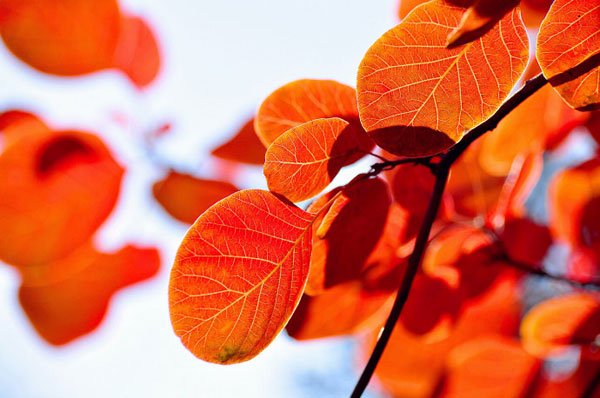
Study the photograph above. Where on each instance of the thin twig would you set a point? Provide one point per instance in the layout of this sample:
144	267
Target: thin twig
441	171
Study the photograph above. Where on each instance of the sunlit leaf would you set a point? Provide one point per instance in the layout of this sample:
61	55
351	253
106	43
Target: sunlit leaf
137	53
301	101
340	254
416	97
239	274
57	187
489	366
244	147
185	197
552	325
301	162
567	42
69	298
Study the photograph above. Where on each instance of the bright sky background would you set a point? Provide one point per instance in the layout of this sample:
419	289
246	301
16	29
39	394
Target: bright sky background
221	58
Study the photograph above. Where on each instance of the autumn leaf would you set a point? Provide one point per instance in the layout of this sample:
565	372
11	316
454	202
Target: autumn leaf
416	97
554	324
244	147
185	197
340	252
137	53
489	366
57	188
568	45
301	162
68	298
239	274
525	241
301	101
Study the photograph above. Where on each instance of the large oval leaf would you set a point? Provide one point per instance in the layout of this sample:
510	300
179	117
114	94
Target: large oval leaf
302	101
416	97
305	159
239	274
570	36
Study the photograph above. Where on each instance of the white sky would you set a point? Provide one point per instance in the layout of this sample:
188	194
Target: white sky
221	58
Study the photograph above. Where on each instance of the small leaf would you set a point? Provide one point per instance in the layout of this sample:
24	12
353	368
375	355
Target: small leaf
239	274
301	101
416	97
69	298
137	53
552	325
525	241
57	188
568	45
305	159
244	147
185	197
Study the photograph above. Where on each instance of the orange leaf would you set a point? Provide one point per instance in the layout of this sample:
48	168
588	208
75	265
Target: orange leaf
239	274
567	41
301	162
245	147
74	38
68	298
185	197
525	241
302	101
553	324
341	254
56	190
489	366
416	97
137	53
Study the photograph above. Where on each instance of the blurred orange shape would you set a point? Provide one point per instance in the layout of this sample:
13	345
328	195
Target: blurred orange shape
568	45
57	187
137	53
68	298
489	366
301	101
69	38
415	97
355	228
302	162
554	324
186	197
244	147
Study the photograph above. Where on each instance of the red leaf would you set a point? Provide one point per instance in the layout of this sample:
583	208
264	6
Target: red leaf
416	98
302	162
57	188
239	274
244	147
301	101
340	255
185	197
525	241
69	298
569	37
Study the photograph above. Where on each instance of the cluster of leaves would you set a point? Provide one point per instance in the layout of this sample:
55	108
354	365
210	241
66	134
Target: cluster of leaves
255	263
59	185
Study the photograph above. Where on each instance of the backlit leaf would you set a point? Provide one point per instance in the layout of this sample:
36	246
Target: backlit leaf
69	298
244	147
568	39
239	274
57	187
185	197
301	162
416	97
301	101
552	325
341	253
